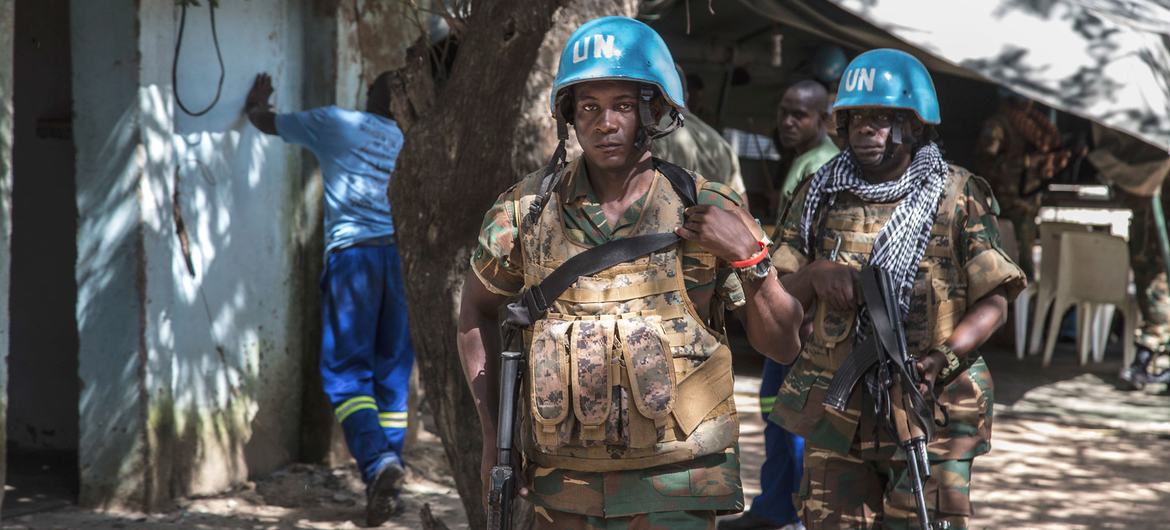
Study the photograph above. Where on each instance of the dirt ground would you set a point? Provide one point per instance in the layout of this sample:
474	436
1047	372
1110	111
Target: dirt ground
1070	452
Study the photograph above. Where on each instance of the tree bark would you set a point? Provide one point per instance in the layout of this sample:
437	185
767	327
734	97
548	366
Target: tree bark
469	139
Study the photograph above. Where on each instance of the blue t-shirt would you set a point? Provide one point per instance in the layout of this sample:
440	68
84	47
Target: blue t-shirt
356	151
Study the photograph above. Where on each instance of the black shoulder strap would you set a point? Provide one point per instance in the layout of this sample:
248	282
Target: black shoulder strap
680	179
533	303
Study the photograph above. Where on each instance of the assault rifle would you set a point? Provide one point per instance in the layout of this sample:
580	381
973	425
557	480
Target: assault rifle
891	379
503	475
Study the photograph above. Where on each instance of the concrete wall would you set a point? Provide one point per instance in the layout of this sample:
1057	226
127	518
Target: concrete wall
199	238
6	30
110	260
223	373
191	374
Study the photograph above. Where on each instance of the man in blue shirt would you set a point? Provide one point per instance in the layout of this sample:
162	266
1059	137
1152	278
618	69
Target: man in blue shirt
366	355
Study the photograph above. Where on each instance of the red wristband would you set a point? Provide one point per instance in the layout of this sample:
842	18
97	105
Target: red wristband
755	259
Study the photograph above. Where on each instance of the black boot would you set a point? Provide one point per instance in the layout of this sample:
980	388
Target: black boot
1160	376
1135	376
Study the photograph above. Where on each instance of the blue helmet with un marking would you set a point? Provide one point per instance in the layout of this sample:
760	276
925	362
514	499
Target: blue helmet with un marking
889	78
618	48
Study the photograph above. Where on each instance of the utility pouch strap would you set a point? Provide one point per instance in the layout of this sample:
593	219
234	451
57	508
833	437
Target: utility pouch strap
707	386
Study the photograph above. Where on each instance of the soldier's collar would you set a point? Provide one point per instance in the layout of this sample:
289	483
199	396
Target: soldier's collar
575	185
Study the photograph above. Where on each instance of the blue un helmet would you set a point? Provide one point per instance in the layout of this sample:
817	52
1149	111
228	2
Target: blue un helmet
888	78
624	49
827	64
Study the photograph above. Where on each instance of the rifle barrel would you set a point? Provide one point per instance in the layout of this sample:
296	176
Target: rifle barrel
509	379
918	469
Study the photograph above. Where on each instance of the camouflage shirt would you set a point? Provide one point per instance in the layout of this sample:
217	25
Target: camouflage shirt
707	483
963	263
497	261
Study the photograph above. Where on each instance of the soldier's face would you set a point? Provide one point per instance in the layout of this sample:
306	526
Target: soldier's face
799	119
869	133
605	116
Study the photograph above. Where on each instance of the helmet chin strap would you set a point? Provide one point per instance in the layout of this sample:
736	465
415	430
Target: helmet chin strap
649	130
897	137
548	183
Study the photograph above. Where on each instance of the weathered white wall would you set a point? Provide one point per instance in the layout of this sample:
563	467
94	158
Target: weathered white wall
110	264
191	382
223	374
6	31
193	376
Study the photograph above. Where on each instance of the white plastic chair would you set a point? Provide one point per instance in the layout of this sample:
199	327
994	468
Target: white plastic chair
1047	277
1093	270
1007	235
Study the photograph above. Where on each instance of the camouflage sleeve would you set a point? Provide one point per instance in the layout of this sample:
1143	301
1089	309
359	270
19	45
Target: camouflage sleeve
788	254
986	265
496	259
726	284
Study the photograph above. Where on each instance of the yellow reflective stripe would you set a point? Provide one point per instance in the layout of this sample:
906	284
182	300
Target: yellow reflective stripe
393	415
393	424
766	402
353	405
356	407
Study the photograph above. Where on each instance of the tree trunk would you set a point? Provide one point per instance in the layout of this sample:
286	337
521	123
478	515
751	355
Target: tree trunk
469	139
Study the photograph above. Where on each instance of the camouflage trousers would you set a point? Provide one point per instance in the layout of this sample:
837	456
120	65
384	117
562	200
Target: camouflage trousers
846	492
706	484
1149	276
553	520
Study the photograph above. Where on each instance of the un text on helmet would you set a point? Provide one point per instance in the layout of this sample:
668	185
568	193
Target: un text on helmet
860	79
602	46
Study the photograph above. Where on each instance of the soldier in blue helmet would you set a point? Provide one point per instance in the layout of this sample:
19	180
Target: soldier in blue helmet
890	199
628	411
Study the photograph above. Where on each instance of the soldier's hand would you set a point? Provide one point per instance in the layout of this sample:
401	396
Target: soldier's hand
488	460
835	284
929	367
725	233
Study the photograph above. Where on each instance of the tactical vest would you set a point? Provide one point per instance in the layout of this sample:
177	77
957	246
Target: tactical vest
622	373
938	302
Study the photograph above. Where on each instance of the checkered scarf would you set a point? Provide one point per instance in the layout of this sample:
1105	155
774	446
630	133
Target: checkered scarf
900	245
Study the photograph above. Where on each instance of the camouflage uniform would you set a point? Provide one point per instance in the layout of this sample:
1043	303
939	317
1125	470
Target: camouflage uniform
1149	276
1001	156
853	477
618	490
645	521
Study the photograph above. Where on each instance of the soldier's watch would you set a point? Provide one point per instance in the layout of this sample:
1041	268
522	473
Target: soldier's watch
756	272
953	362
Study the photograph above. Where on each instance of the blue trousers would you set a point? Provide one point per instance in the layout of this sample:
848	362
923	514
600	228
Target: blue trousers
366	354
784	454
